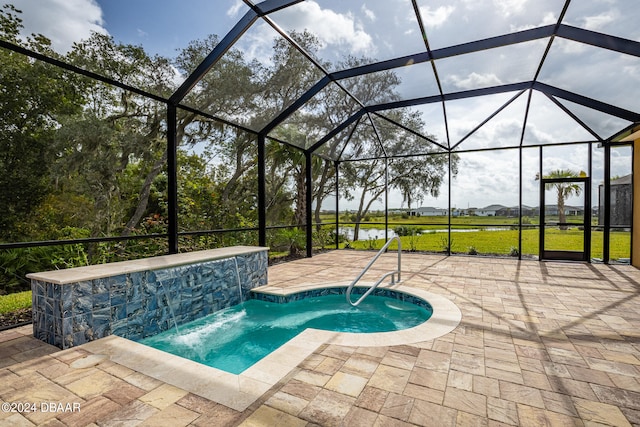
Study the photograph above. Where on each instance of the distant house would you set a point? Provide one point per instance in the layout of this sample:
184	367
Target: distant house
514	211
491	210
428	211
568	210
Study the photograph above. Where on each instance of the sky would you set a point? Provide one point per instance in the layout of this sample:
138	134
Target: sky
386	29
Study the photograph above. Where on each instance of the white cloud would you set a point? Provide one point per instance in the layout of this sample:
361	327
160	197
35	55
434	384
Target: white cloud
235	9
62	21
566	157
599	22
474	80
331	28
502	132
434	18
478	183
510	7
535	135
632	71
368	13
256	44
570	47
548	19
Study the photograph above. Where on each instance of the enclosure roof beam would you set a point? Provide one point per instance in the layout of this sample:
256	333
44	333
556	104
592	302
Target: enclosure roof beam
489	43
561	30
461	49
221	48
544	88
419	101
269	6
485	121
377	134
593	38
226	43
605	41
574	117
587	102
74	69
411	131
344	147
337	129
297	104
513	87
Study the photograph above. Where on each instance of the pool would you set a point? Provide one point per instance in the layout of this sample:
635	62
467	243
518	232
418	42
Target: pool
236	338
239	391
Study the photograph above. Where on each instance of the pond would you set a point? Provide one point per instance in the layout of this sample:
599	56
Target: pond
378	233
366	233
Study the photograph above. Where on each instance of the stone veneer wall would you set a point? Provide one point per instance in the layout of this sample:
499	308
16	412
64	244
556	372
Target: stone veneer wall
140	304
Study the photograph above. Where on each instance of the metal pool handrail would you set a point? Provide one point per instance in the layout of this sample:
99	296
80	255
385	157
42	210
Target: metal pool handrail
375	285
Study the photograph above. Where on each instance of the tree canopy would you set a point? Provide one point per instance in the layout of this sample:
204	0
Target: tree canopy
90	158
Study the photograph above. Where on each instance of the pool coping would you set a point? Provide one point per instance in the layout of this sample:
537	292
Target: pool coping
240	391
70	276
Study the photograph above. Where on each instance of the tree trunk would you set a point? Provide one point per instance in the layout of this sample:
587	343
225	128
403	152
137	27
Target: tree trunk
363	210
356	230
320	195
143	198
359	215
561	216
301	198
240	169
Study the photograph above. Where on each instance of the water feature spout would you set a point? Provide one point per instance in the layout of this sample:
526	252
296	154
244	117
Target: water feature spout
173	316
235	260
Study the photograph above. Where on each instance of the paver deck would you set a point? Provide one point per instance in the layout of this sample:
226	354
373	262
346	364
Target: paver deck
538	344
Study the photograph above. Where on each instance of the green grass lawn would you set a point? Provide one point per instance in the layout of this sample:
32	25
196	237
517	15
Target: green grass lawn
502	242
435	222
489	242
12	302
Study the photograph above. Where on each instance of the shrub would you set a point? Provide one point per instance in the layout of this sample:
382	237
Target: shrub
446	244
323	237
293	238
371	242
407	230
15	264
341	237
472	250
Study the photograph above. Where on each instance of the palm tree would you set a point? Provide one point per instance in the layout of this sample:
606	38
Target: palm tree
564	190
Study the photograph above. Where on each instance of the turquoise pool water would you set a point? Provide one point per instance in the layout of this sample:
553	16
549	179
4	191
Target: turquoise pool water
235	338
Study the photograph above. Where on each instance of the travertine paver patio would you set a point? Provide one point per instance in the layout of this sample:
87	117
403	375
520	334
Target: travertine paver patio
539	344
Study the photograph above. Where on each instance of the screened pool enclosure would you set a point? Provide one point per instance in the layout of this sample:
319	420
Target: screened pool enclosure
496	128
